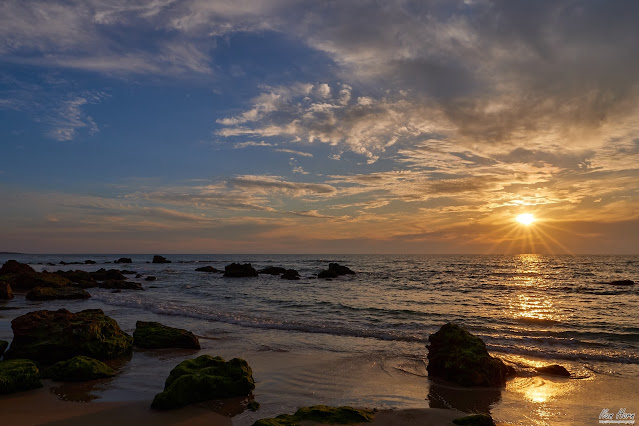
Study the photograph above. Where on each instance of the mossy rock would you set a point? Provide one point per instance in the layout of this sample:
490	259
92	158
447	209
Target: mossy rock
52	336
204	378
18	375
6	293
15	267
78	369
475	420
29	280
320	414
456	355
64	293
153	335
3	347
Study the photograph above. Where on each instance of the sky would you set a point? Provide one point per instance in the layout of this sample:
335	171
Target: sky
285	126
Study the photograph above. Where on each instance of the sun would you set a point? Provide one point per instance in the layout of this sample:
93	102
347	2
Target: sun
525	219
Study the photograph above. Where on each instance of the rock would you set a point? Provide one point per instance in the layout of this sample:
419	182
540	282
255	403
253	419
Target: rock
121	284
150	278
89	262
475	420
320	414
48	293
204	378
622	282
160	259
291	274
27	281
553	370
76	276
18	375
127	272
14	267
237	270
124	260
207	269
334	270
51	336
138	275
3	347
153	335
460	357
5	291
103	275
272	270
78	369
253	405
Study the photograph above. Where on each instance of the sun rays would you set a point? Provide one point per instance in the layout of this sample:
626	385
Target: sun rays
528	233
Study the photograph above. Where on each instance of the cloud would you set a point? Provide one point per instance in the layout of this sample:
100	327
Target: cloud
241	145
69	117
275	184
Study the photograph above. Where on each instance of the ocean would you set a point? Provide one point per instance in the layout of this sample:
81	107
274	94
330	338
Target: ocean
361	339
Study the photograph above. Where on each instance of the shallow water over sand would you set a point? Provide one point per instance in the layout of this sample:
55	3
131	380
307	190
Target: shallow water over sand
361	339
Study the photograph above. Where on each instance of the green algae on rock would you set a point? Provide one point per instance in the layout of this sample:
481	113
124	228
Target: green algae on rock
475	420
6	293
153	335
204	378
320	414
78	369
460	357
18	375
49	293
51	336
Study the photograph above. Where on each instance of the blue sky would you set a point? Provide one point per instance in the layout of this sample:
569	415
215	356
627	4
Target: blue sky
288	126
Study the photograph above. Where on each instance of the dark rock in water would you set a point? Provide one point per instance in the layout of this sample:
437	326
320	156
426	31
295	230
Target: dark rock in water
622	282
160	259
124	260
138	275
62	262
204	378
253	405
103	275
475	420
460	357
553	370
272	270
27	281
121	284
18	375
51	336
76	276
150	278
237	270
5	291
291	274
116	291
127	272
334	270
89	262
15	267
153	335
320	414
3	347
78	369
207	269
48	293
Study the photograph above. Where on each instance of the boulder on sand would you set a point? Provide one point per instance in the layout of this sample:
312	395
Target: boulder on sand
160	259
204	378
460	357
65	293
78	369
18	375
5	291
153	335
51	336
237	270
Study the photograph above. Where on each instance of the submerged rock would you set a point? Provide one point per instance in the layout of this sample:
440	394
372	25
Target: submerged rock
121	285
207	269
78	369
460	357
272	270
89	262
237	270
204	378
124	260
553	370
15	267
5	291
622	282
160	259
334	270
51	336
3	347
475	420
150	278
18	375
47	293
153	335
290	274
320	414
